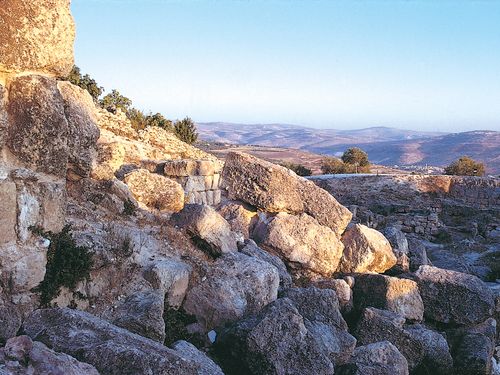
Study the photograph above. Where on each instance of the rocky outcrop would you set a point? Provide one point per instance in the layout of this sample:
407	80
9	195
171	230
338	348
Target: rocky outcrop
320	310
142	313
304	245
342	289
273	188
112	350
241	217
207	228
366	250
381	358
250	248
171	278
38	128
388	293
276	341
155	191
235	285
37	36
83	132
454	297
378	325
23	356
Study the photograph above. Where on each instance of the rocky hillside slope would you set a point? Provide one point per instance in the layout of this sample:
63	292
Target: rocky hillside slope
126	252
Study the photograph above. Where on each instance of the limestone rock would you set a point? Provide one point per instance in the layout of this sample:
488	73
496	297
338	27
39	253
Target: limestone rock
207	228
366	250
142	313
155	191
241	217
454	297
171	277
342	289
190	167
378	325
38	132
381	358
250	248
3	116
320	310
301	242
112	350
36	36
207	366
83	132
399	245
23	356
10	322
235	285
276	341
8	209
437	358
388	293
417	254
273	188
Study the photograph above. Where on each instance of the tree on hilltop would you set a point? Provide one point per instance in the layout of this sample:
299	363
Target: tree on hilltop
185	130
356	156
331	165
465	166
114	100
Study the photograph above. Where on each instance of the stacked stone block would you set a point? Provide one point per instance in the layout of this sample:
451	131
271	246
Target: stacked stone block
199	178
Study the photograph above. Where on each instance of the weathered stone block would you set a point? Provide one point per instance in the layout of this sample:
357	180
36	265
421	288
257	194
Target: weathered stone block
8	209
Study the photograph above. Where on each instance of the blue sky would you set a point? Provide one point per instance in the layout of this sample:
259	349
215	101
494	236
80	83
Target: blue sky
425	65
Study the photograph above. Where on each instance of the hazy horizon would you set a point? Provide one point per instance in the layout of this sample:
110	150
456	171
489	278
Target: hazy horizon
419	65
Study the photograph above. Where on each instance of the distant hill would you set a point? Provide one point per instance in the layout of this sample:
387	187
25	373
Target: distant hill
385	146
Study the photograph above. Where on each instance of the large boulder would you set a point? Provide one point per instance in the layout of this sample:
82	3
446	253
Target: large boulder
23	356
171	278
342	289
454	297
111	349
437	358
381	358
304	244
38	131
83	132
142	313
388	293
10	321
234	286
276	341
399	244
417	254
320	310
366	250
250	248
273	188
37	36
377	325
207	228
155	191
241	217
190	351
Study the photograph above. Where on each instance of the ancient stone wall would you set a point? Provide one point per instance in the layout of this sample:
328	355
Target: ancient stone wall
199	178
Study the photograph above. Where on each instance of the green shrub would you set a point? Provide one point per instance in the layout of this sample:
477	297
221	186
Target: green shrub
128	208
332	165
185	130
175	326
85	82
114	100
160	121
299	169
67	264
465	166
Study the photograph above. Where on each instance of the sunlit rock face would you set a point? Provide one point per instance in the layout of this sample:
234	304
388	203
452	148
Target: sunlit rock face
37	36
